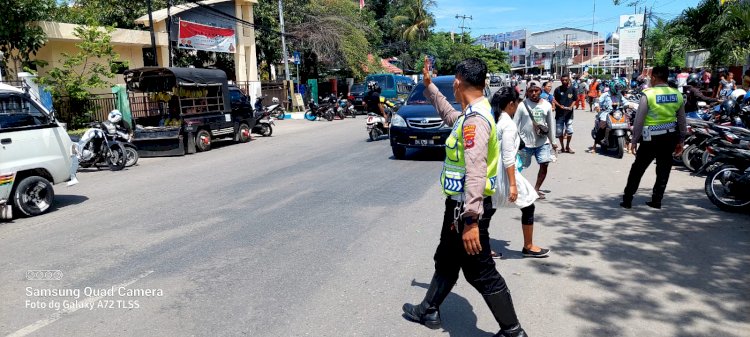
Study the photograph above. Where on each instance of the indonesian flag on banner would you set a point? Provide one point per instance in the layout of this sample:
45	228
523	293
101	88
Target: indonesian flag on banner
361	4
209	38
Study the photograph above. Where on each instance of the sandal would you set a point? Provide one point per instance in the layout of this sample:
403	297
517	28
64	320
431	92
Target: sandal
569	150
542	196
496	255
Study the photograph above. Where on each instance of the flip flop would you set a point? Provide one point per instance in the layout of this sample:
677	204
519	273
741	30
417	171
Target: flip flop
571	151
542	196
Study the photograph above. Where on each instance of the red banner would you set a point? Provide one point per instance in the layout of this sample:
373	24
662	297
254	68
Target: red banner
202	37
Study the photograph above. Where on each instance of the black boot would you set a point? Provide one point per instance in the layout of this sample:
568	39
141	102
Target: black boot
627	201
427	312
501	305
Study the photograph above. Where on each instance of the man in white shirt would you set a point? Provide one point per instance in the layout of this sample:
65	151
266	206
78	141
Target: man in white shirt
537	143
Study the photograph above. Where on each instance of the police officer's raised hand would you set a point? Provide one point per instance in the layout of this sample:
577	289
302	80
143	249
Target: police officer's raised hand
426	74
471	239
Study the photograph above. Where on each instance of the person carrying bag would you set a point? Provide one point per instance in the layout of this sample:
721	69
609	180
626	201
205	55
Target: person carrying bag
513	190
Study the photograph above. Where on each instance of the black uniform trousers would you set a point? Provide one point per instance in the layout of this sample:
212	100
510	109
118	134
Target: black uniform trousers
451	257
660	147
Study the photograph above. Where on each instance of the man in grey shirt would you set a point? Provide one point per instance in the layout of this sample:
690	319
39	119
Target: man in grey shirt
536	143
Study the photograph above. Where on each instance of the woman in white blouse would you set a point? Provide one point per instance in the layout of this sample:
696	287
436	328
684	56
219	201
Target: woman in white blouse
513	190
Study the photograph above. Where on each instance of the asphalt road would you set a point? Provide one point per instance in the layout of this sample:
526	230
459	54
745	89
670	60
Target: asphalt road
317	232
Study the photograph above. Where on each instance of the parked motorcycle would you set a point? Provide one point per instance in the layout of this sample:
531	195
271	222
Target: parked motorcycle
728	185
265	124
95	148
324	110
118	134
275	110
345	108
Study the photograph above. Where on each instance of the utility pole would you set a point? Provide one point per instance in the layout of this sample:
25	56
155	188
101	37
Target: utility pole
169	31
565	53
283	42
591	52
642	42
463	25
153	36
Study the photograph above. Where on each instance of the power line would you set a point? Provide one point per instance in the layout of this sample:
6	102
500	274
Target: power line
463	24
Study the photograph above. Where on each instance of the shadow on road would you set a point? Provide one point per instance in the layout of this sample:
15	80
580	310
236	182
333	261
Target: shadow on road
457	315
423	155
65	200
684	266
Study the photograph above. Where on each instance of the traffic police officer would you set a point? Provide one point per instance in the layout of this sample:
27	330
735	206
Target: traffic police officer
661	127
468	181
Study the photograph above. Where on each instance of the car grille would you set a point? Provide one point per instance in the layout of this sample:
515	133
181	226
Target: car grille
424	123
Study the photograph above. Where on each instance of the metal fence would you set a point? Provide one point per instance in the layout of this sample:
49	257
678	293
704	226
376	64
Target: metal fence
269	90
77	114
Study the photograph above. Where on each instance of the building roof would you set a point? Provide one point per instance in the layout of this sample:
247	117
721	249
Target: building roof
565	28
161	15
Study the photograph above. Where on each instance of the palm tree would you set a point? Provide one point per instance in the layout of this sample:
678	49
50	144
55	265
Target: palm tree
415	21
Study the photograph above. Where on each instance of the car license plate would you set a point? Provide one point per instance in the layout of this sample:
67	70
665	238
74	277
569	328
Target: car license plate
424	141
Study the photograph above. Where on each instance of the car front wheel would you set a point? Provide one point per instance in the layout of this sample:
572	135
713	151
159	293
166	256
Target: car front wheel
399	152
33	196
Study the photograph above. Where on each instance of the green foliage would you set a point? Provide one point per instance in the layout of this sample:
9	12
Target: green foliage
722	30
449	52
94	63
414	21
19	37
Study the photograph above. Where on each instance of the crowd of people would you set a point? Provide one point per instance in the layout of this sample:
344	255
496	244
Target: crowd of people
493	140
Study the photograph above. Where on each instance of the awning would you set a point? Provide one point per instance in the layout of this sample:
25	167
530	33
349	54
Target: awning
594	61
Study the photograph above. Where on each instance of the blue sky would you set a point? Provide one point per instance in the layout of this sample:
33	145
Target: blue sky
498	16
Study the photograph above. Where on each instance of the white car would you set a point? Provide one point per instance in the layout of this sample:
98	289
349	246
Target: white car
36	153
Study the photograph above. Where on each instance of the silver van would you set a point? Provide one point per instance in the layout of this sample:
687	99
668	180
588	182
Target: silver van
35	153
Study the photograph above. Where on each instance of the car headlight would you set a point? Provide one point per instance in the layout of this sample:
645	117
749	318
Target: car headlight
398	121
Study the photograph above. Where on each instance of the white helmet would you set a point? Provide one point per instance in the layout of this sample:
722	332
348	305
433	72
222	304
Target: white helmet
115	116
275	100
738	95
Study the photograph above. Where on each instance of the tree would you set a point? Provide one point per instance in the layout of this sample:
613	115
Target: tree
89	68
334	30
449	53
415	21
20	38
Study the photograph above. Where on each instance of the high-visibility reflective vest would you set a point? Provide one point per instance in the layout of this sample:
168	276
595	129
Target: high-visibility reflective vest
452	179
663	104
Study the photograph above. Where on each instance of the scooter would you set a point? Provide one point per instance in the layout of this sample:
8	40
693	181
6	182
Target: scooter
265	124
376	124
274	110
618	128
345	108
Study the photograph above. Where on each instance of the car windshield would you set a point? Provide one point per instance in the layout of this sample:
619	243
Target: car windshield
357	88
446	88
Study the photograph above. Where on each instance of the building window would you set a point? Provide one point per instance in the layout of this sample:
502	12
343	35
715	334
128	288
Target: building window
585	52
523	44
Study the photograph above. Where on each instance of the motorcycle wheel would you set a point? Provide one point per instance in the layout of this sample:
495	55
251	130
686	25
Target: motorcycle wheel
687	155
620	147
329	115
310	116
705	158
722	181
116	158
375	134
281	115
131	155
266	130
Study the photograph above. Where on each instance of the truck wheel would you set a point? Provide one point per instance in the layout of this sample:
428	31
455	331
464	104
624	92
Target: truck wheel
243	133
33	196
202	141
